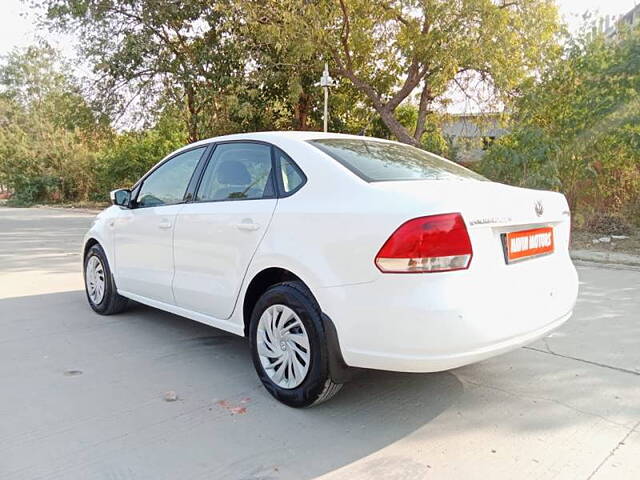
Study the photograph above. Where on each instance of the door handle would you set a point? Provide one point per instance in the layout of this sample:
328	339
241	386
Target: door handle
248	226
164	224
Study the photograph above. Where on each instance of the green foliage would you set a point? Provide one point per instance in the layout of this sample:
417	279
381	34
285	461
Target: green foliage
577	130
390	51
126	157
55	148
41	161
181	71
186	52
48	133
407	114
433	141
524	158
247	64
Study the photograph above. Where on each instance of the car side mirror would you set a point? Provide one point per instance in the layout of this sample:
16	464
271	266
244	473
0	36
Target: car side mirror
121	197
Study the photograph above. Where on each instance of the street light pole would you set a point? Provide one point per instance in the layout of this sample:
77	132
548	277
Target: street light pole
326	107
325	82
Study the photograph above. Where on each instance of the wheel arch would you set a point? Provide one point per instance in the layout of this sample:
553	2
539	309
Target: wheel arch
259	284
90	242
94	238
270	276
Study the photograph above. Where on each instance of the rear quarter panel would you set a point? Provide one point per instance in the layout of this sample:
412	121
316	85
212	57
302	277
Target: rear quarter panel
331	230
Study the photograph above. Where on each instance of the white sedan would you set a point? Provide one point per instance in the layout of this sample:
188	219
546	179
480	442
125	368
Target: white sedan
334	251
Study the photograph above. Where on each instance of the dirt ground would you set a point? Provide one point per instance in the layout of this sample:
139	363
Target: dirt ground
583	240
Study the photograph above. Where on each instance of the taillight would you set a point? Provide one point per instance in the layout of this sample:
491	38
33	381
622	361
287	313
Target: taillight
437	243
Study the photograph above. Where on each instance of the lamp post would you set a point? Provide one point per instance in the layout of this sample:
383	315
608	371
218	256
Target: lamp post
325	82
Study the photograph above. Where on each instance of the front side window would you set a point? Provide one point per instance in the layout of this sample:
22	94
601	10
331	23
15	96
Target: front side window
167	184
376	161
237	171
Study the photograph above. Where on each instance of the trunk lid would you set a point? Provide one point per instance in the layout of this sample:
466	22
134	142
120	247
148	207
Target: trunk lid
490	211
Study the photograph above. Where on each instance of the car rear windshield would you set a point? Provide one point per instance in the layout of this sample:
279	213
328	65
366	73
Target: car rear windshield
383	161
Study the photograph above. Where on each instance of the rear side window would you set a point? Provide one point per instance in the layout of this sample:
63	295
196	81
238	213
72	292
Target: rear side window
381	161
291	176
238	171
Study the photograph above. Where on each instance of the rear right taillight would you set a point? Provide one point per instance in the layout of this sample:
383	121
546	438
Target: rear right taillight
438	243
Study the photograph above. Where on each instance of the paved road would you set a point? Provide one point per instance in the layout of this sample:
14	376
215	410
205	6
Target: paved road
82	396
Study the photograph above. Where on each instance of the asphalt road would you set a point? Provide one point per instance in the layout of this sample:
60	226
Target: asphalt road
83	396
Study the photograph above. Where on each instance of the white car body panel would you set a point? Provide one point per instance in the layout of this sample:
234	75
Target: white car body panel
328	234
144	251
213	245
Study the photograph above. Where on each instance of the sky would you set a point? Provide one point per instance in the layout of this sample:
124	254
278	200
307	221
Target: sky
572	10
17	28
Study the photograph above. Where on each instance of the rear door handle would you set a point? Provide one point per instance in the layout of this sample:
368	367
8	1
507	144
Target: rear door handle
249	226
164	224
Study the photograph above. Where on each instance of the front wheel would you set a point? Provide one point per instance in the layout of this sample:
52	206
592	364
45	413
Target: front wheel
99	285
289	346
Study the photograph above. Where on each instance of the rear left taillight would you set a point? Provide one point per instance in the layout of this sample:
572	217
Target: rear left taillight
438	243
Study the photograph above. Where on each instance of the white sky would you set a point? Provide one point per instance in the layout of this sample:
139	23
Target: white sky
18	29
572	10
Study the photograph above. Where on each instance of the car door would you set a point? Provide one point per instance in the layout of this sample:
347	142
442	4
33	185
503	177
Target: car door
144	234
217	234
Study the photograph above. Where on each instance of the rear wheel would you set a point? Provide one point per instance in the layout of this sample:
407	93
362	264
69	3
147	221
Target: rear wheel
99	285
289	346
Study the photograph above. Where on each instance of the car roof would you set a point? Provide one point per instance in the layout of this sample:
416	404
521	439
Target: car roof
273	136
293	135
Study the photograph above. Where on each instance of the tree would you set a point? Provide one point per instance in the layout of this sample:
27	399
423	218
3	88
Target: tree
127	156
393	49
576	128
48	133
38	79
148	49
279	90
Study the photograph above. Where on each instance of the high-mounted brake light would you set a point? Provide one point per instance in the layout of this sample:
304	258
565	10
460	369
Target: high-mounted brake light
438	243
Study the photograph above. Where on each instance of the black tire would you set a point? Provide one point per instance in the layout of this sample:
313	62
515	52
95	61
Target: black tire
317	387
111	302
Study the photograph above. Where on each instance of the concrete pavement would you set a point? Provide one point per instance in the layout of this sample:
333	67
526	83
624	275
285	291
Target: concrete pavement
82	396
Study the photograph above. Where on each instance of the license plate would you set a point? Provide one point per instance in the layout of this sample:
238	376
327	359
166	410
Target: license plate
528	243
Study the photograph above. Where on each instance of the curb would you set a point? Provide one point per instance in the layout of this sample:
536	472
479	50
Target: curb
609	258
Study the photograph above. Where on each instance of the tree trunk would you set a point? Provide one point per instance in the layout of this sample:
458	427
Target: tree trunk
423	109
383	109
301	112
192	120
400	132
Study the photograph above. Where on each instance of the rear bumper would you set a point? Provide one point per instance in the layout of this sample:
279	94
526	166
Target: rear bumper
438	363
435	322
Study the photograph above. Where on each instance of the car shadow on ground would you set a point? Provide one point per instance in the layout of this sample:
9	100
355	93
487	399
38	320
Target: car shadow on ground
102	380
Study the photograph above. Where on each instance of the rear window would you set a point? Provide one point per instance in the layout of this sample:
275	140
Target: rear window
381	161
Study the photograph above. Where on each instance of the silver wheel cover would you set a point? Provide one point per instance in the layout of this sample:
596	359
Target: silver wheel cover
95	280
283	346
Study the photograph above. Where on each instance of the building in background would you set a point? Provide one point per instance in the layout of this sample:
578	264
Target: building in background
470	134
610	25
